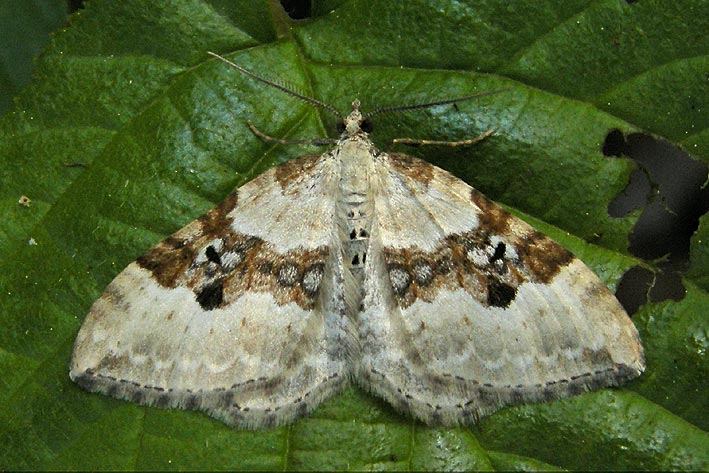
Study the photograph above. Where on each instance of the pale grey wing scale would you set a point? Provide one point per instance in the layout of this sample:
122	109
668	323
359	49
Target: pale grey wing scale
478	310
239	318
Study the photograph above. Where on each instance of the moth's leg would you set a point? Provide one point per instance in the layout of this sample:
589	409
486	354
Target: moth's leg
452	144
313	142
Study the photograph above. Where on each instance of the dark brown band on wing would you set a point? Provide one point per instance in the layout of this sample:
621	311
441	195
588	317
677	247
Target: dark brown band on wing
416	169
489	262
294	169
169	259
219	265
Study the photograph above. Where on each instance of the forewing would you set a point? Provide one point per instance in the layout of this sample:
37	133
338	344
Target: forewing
229	314
470	309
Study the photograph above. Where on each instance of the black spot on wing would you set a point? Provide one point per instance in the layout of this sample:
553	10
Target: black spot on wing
499	293
213	256
499	253
211	296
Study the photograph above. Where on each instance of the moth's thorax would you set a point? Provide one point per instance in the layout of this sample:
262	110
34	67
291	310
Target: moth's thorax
356	199
355	156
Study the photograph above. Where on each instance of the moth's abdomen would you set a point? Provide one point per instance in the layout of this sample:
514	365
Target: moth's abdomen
356	231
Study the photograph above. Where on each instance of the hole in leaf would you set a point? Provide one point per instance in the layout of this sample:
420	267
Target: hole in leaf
668	187
640	285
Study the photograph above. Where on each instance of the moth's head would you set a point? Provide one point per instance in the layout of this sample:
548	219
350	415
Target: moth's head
355	123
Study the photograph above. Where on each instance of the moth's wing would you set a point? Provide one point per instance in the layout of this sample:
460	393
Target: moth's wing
228	315
470	309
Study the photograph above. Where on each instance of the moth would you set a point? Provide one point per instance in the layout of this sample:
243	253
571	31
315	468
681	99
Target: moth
354	265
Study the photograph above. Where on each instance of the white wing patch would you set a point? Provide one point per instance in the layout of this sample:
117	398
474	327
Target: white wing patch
354	264
435	210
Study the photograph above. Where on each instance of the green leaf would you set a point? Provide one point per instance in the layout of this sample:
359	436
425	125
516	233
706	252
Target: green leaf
129	91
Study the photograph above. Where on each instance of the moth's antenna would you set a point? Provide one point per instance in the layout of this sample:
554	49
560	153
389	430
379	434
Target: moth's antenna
406	108
280	87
